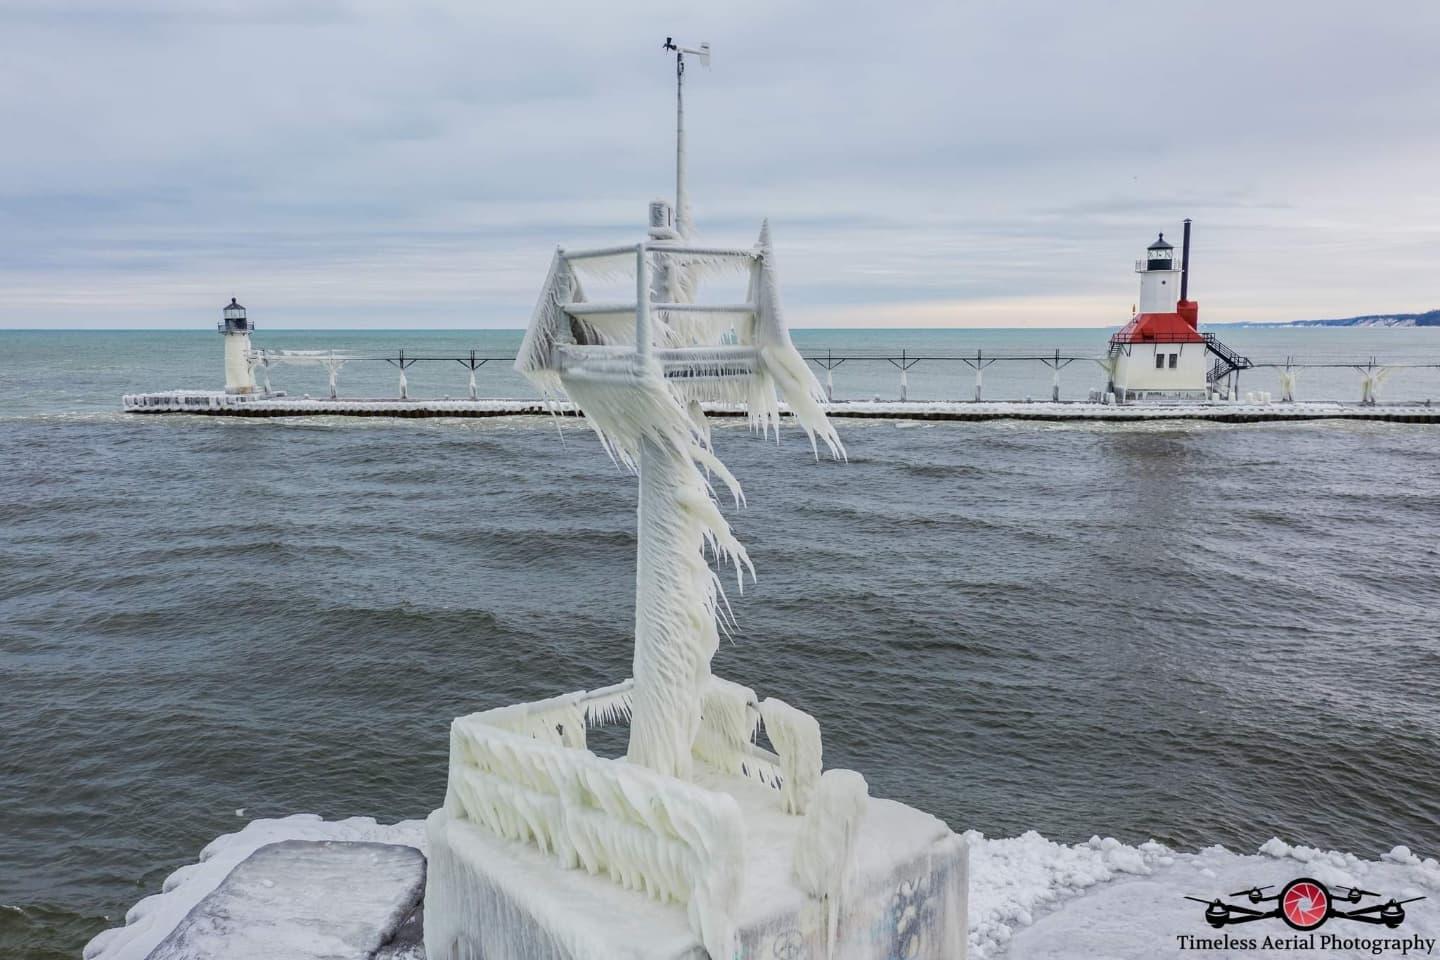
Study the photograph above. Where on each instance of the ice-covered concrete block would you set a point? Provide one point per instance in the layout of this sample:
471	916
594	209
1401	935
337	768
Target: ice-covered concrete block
906	897
303	900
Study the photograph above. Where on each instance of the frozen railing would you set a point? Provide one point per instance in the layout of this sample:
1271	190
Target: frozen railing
570	331
690	363
1005	371
648	832
524	773
732	718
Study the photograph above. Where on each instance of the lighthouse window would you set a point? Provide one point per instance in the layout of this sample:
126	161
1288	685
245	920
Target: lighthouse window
1174	360
1159	361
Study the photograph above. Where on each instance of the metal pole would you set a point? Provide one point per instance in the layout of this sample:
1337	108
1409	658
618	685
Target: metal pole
904	385
1055	387
829	379
682	213
1185	263
979	376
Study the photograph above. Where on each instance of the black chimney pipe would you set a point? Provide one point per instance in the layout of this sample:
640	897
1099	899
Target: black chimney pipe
1185	263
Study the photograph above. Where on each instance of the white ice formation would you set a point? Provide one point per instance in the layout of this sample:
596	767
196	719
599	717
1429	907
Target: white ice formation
524	773
824	851
658	821
639	371
678	818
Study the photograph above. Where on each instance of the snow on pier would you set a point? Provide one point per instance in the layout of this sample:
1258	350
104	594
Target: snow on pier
1029	897
215	403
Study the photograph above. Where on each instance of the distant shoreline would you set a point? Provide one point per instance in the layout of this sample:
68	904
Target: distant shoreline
1431	318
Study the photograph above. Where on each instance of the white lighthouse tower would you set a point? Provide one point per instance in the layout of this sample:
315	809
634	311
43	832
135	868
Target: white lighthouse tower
239	377
1161	354
1159	278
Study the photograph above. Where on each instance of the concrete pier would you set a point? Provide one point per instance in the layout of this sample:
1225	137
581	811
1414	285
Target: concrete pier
227	405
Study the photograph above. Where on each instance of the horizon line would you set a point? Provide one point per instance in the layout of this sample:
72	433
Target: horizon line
922	329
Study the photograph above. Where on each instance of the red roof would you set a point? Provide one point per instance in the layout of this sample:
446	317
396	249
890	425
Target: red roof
1163	327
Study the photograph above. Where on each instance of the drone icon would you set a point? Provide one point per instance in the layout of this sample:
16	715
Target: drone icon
1304	904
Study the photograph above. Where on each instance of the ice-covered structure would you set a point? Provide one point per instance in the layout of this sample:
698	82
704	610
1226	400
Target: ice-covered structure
700	840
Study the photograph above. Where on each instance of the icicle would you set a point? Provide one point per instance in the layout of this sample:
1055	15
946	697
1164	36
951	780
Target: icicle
333	366
1055	386
824	858
473	393
404	387
786	369
796	736
979	381
549	324
1373	379
1287	384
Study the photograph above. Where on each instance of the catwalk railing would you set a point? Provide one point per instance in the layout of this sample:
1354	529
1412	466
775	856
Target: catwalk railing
1372	371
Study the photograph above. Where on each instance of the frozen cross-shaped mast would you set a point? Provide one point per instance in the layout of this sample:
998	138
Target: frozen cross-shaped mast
640	371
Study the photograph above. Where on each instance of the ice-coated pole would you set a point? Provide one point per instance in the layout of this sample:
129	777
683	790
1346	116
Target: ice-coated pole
642	302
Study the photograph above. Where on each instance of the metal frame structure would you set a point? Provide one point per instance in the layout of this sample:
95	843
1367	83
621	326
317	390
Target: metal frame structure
1372	370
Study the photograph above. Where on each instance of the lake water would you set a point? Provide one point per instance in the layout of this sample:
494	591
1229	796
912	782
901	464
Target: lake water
1194	632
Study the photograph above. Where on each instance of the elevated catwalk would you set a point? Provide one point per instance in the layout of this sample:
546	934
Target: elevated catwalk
218	404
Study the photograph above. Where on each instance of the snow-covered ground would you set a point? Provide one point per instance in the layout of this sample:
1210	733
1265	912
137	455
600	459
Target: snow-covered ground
1029	897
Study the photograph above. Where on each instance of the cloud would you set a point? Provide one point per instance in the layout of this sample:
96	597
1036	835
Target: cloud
990	163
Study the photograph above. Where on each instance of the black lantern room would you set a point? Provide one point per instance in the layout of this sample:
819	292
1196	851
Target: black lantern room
1160	255
235	320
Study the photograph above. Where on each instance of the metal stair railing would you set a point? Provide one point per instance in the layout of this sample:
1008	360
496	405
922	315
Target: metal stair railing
1228	360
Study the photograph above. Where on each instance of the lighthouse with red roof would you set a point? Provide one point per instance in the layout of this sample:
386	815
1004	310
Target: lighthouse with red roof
1160	353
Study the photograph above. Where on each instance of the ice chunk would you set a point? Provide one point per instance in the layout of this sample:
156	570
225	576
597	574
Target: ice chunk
153	919
303	899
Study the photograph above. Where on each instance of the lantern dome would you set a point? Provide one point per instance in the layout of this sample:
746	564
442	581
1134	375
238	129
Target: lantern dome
1160	255
235	320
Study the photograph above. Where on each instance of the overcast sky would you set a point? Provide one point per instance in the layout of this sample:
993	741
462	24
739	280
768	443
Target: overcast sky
347	164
